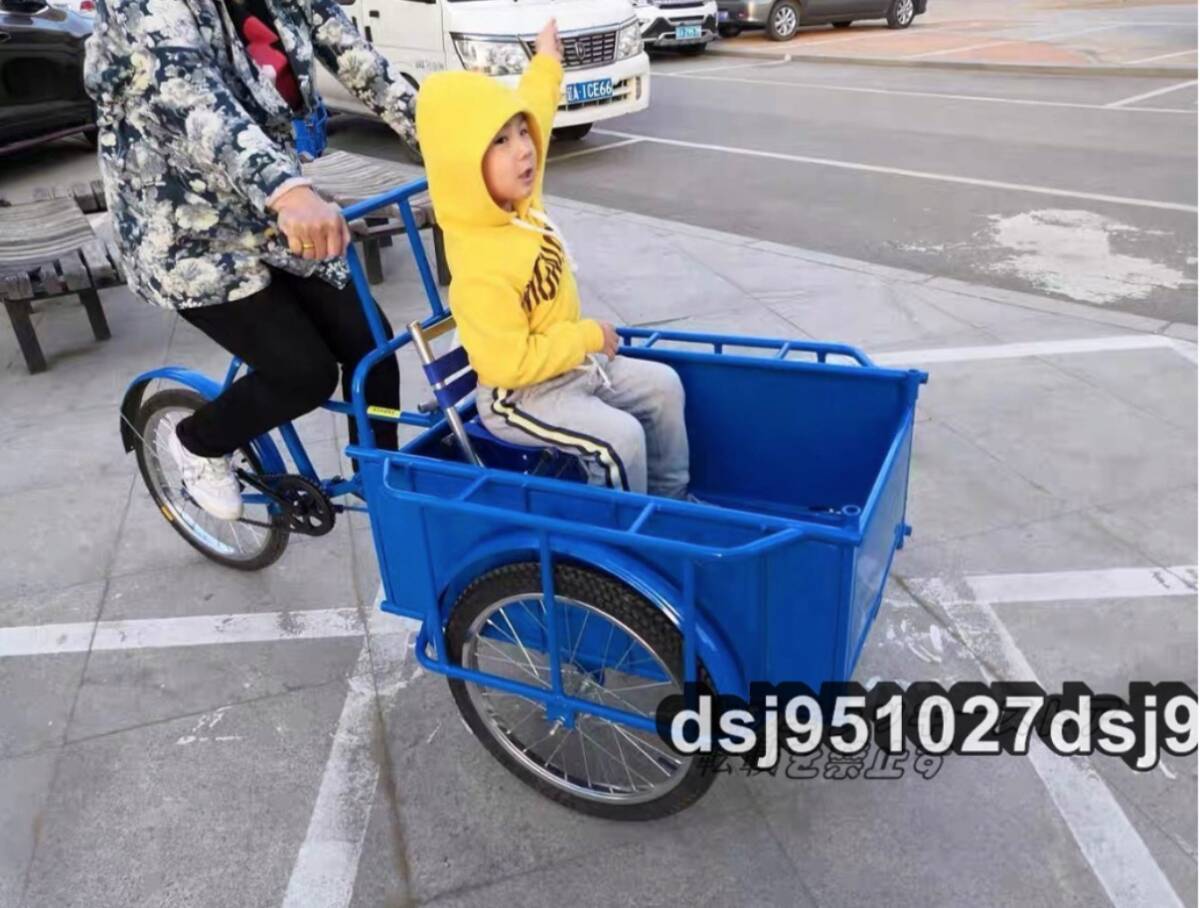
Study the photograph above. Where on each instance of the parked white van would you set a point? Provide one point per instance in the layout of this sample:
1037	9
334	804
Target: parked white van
607	71
684	25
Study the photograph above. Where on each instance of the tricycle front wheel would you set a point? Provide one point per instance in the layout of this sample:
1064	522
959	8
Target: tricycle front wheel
616	649
233	543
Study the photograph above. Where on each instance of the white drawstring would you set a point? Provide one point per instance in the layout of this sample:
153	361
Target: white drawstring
594	365
552	231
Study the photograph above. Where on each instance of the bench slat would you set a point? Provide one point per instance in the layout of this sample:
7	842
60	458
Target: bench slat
74	272
84	197
47	281
16	286
95	256
101	198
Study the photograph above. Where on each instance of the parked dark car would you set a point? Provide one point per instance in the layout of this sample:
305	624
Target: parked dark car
41	74
781	18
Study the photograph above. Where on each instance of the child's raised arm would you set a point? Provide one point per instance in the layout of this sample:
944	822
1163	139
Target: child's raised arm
541	85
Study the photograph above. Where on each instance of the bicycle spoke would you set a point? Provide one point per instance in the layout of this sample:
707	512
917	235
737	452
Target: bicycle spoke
532	670
516	639
641	686
624	763
525	605
640	744
623	701
579	637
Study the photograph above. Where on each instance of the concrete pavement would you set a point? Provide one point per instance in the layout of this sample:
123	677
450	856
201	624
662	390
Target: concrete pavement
311	762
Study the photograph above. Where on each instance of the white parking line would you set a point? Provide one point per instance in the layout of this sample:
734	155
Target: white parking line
327	865
1152	94
941	96
584	151
1178	53
914	174
1061	586
1115	851
1108	841
1050	37
786	58
198	630
1033	348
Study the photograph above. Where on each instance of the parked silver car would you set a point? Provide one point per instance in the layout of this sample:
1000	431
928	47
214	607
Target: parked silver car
781	18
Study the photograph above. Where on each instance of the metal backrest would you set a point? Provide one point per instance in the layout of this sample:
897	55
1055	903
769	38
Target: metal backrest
450	375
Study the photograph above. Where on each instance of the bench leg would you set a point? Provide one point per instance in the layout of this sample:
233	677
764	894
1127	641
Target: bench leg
372	262
385	242
95	314
439	255
18	314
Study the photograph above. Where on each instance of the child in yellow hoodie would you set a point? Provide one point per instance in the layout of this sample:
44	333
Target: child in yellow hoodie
547	377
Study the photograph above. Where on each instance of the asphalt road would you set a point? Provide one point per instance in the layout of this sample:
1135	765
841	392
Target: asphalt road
1071	187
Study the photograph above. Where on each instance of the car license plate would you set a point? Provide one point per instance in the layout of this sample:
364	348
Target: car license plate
595	90
722	15
686	32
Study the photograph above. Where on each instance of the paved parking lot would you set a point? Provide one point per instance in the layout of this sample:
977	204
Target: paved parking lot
1045	33
180	734
1078	187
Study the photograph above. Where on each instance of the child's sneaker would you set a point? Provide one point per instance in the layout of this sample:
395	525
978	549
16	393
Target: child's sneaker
209	480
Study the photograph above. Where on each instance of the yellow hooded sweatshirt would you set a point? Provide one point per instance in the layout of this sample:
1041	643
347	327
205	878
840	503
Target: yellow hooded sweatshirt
512	292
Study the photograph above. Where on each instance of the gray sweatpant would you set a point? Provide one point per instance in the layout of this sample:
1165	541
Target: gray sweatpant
623	418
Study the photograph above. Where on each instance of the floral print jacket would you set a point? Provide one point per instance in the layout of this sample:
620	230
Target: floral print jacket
194	138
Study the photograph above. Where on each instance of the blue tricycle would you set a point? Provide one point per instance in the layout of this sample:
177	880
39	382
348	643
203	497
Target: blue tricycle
561	613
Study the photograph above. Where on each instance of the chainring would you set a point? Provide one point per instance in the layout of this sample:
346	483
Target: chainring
304	506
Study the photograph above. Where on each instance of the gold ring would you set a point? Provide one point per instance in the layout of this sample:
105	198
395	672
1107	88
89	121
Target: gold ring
307	246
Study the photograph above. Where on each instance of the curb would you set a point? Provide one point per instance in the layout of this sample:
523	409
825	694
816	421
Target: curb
1049	69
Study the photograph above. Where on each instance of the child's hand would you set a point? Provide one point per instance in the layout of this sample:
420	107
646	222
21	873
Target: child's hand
547	41
611	340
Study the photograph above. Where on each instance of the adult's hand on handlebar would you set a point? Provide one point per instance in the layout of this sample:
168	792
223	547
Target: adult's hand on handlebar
314	228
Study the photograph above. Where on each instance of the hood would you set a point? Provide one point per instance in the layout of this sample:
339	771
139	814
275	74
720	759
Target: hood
525	18
458	115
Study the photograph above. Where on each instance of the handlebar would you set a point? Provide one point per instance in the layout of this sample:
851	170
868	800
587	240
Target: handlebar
398	196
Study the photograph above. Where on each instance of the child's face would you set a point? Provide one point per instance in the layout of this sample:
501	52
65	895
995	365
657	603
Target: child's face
509	163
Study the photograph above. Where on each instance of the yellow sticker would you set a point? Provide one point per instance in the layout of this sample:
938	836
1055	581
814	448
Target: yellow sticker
383	411
166	512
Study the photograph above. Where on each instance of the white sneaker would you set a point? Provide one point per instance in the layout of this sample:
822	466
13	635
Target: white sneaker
209	480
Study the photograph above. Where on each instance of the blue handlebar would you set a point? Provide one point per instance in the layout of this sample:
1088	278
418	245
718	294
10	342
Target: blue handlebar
398	196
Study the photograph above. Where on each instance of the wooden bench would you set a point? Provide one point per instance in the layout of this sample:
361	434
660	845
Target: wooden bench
48	250
345	178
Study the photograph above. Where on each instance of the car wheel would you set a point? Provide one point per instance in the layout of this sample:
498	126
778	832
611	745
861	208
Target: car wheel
572	133
729	31
901	13
784	20
845	24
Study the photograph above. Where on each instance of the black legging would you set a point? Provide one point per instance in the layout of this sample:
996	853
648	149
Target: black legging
293	335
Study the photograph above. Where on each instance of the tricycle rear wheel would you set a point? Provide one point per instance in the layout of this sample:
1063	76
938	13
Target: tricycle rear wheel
597	767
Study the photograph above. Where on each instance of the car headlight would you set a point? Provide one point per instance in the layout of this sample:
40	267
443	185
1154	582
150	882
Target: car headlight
495	58
629	41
